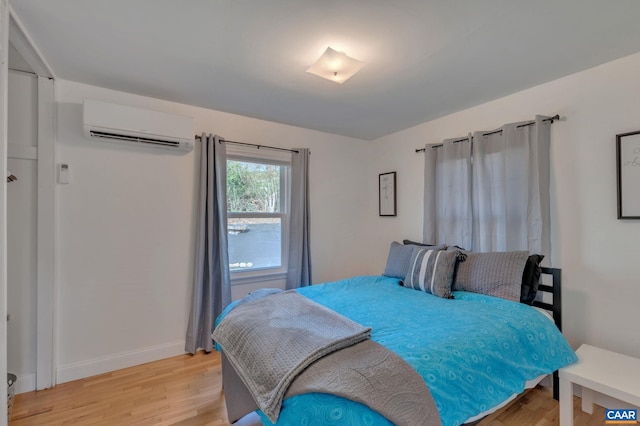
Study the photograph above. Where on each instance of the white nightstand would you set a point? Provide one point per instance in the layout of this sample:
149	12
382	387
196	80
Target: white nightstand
599	370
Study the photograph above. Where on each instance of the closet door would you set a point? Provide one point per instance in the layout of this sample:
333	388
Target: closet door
22	242
30	231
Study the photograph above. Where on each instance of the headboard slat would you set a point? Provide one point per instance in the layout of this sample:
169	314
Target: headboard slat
555	290
546	288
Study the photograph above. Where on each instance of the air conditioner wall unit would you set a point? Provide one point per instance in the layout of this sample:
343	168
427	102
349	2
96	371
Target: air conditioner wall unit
137	126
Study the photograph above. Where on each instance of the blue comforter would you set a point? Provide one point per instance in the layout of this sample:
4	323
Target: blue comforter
473	352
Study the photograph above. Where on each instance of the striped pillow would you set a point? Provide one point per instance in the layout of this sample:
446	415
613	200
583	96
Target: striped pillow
432	271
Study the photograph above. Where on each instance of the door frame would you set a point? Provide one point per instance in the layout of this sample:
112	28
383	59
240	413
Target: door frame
45	293
46	297
4	59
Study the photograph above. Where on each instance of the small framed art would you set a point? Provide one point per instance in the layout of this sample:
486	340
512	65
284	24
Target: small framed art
628	171
387	194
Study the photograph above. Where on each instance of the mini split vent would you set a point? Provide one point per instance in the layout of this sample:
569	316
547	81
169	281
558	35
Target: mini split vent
135	139
136	126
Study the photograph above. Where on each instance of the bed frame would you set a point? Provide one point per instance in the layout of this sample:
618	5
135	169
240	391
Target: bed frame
555	308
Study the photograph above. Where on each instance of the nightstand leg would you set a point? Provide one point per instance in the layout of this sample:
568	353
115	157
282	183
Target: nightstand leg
566	402
587	400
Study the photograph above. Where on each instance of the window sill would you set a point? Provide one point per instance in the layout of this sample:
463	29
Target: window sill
257	277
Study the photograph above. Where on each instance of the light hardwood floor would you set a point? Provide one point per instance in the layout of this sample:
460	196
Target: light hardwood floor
187	390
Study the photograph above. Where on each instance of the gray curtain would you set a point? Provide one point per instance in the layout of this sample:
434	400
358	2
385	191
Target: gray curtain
447	193
212	286
491	194
511	188
299	266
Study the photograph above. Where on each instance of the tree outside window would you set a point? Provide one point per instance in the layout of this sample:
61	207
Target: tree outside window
256	219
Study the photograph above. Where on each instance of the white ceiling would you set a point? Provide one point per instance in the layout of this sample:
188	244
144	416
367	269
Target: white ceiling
424	58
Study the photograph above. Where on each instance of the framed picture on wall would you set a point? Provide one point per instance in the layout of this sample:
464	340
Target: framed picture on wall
628	171
387	194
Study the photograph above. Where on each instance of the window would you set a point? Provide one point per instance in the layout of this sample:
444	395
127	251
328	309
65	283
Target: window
257	219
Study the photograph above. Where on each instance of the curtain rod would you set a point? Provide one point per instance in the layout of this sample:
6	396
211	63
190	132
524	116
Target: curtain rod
531	123
198	137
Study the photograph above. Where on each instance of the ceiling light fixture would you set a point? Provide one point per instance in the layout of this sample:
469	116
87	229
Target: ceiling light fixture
335	66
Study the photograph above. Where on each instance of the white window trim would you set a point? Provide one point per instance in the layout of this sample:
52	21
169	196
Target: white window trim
255	275
239	152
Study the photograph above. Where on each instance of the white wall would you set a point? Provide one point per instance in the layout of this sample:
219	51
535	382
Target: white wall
597	252
126	229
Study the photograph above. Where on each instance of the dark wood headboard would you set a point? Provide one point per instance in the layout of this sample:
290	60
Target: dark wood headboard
556	290
555	308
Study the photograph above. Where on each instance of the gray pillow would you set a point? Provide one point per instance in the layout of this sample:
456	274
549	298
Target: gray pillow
496	274
432	271
398	260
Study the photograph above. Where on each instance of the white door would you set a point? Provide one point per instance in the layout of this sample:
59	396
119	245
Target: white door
22	238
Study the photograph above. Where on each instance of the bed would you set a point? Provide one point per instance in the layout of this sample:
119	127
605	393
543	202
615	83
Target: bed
475	352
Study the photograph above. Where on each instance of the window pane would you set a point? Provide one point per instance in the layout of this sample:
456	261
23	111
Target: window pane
253	187
254	243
